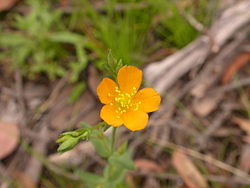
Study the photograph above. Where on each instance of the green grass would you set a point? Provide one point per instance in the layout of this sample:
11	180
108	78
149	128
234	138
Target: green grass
173	28
36	43
123	32
49	41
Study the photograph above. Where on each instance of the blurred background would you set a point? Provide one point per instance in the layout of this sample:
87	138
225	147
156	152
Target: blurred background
196	53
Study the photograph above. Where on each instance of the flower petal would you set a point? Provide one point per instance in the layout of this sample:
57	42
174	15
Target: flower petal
135	120
149	99
109	115
129	78
106	91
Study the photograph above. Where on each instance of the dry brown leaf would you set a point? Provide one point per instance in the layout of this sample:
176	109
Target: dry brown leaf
234	67
188	171
243	123
244	163
148	165
6	4
23	180
199	90
224	132
206	105
65	3
246	139
9	136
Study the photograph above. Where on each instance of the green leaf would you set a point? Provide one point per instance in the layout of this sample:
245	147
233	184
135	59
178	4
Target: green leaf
67	37
113	65
68	144
113	175
13	39
76	69
62	138
92	180
85	125
118	164
76	133
101	143
122	160
82	58
123	147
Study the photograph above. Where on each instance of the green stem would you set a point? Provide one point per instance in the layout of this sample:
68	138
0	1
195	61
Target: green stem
113	139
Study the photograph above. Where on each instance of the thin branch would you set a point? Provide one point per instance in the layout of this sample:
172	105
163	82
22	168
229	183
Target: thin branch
230	86
176	177
203	157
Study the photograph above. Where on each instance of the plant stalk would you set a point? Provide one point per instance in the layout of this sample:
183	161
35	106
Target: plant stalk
113	139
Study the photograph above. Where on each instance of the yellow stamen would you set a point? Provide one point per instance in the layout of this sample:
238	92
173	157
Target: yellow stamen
124	101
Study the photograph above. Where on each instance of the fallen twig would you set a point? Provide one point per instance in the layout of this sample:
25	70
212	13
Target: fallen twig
202	139
176	177
231	86
203	157
165	73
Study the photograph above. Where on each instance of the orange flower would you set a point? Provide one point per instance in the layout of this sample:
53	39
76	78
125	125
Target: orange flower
124	104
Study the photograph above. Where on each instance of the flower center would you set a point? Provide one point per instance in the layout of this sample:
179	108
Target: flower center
124	102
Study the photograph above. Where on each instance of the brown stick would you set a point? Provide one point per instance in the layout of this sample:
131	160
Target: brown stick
206	158
165	73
